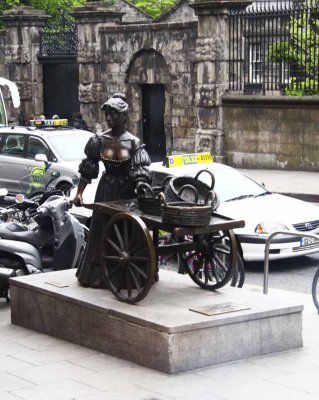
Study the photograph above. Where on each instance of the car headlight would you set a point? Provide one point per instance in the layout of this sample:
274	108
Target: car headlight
75	180
267	228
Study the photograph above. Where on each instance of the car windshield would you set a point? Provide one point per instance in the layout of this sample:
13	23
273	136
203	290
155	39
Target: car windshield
70	146
233	185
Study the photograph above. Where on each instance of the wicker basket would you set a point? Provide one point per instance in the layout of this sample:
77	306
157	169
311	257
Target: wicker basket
185	213
147	198
175	184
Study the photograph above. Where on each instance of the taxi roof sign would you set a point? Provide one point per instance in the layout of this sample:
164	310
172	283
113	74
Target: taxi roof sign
179	160
48	122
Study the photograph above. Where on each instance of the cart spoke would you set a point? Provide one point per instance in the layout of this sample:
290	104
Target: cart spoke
139	270
125	233
114	245
223	249
135	248
114	271
119	237
210	274
139	258
215	273
220	262
128	283
112	258
137	285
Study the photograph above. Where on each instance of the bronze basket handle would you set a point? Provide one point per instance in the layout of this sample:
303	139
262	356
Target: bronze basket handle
210	197
188	186
162	199
213	198
166	181
211	175
142	188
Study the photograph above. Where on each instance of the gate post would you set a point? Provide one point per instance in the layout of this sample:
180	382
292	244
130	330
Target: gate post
212	65
22	45
92	88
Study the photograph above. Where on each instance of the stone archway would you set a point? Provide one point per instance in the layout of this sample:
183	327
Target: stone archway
148	75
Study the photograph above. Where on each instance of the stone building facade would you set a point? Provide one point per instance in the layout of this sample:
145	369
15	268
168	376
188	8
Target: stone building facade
184	57
115	54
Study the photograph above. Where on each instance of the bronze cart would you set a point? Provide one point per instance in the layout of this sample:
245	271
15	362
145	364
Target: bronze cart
131	248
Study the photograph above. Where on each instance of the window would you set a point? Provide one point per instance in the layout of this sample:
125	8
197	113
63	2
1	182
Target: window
12	145
37	146
255	63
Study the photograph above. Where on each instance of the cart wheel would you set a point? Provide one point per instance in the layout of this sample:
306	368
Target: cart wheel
213	264
128	257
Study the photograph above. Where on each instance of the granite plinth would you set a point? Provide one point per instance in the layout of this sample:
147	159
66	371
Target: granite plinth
161	332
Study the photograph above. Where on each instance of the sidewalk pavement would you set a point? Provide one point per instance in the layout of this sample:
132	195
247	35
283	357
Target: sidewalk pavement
38	367
34	366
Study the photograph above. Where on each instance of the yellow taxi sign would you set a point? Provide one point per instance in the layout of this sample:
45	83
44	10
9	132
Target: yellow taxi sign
49	122
187	159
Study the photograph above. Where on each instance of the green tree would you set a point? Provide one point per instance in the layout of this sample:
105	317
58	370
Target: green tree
52	7
301	50
7	5
155	8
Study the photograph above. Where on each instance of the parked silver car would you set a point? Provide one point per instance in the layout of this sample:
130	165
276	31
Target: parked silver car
62	145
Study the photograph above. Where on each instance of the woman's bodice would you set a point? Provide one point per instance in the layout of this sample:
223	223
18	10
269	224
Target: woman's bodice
121	156
115	151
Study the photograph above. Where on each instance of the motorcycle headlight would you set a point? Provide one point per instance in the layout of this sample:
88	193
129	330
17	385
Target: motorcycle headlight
75	180
267	228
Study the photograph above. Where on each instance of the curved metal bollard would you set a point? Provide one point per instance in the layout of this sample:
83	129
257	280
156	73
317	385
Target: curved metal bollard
267	246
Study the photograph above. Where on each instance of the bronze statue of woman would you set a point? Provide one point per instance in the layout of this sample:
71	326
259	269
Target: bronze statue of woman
126	164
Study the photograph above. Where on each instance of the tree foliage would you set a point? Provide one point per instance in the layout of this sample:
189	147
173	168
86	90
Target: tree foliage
155	8
52	7
301	50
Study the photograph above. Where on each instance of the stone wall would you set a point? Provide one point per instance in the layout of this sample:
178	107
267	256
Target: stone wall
162	53
272	132
19	62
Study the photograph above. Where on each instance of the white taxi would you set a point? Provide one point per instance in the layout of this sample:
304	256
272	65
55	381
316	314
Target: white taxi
242	198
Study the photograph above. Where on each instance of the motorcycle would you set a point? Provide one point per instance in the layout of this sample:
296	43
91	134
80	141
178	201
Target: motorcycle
56	243
33	187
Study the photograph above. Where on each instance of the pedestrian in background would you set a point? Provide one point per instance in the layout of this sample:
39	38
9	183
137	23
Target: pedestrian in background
79	122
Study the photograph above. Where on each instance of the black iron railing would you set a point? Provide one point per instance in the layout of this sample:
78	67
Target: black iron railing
60	37
274	47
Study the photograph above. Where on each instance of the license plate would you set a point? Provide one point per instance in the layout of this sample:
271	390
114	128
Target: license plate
307	241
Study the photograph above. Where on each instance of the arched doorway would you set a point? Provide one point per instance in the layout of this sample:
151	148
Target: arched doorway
149	83
153	109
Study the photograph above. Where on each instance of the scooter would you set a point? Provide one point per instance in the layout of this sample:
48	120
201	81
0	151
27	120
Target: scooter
57	243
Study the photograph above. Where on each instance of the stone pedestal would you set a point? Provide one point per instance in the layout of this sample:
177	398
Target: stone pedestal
162	331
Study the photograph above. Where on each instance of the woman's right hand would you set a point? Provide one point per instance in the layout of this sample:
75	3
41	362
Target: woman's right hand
78	200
